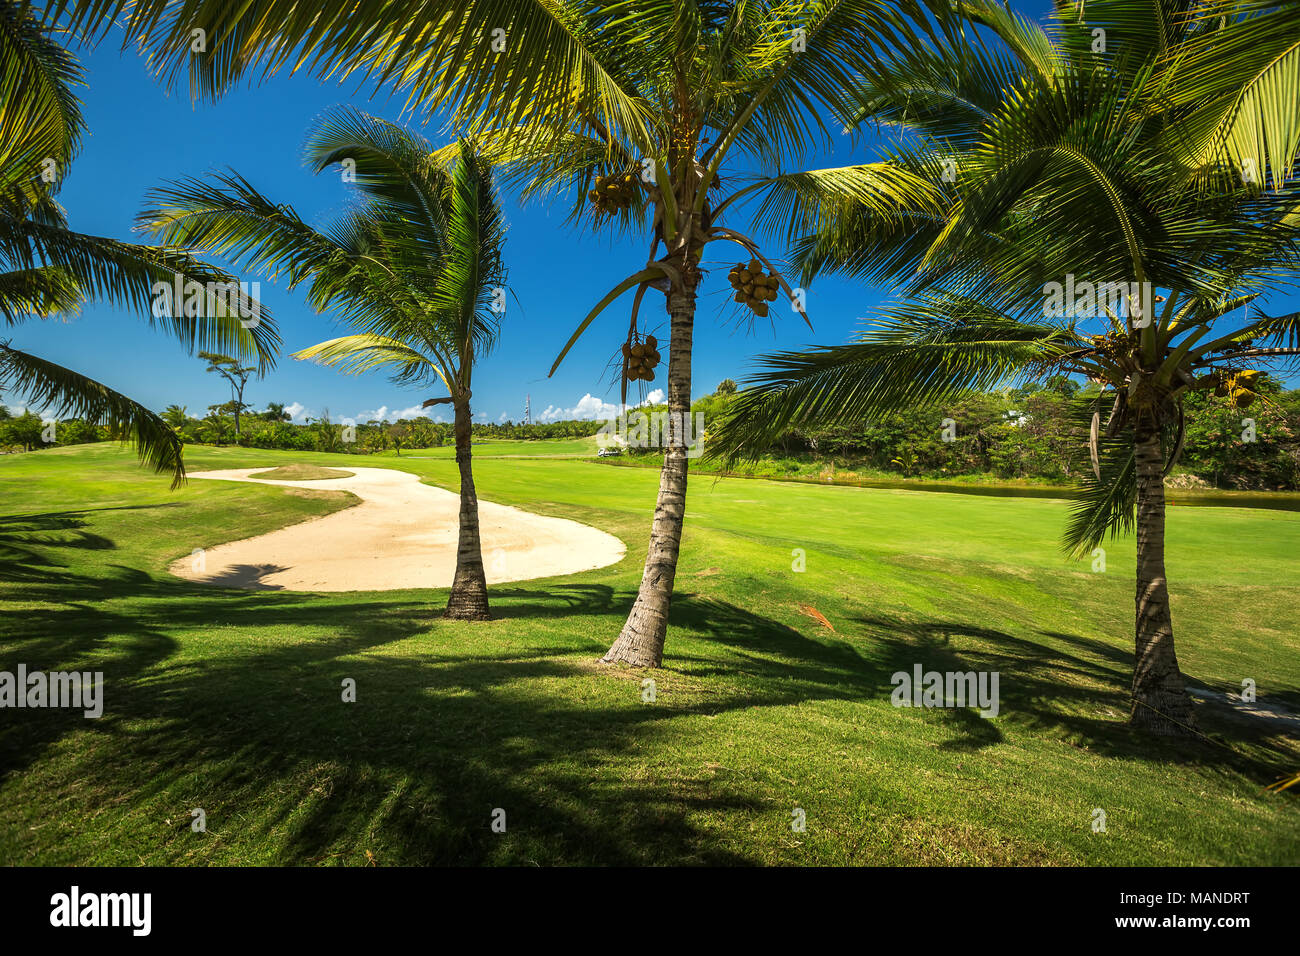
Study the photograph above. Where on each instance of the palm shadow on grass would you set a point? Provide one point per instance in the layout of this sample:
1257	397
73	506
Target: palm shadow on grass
437	739
1077	686
269	735
440	737
26	541
264	737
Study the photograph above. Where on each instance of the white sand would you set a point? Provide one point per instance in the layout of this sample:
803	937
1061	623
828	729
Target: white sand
402	535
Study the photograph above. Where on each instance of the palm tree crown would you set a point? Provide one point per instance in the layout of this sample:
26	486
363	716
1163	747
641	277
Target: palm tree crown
49	270
416	269
1054	166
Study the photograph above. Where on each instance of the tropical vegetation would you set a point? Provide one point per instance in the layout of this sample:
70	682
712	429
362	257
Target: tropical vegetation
1077	218
49	270
416	269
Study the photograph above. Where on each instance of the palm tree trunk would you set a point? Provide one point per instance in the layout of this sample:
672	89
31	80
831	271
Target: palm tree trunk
641	643
468	600
1160	702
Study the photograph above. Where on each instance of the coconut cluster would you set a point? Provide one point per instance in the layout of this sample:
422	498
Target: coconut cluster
614	192
753	286
1114	344
642	358
1237	387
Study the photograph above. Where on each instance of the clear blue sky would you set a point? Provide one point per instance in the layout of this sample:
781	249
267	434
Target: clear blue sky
139	137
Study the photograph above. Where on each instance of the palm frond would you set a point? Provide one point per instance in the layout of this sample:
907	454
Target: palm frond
923	352
473	267
357	354
1105	503
508	58
40	117
42	291
65	393
1241	81
131	275
811	202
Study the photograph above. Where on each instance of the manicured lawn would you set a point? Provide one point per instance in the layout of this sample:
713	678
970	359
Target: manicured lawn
490	448
229	700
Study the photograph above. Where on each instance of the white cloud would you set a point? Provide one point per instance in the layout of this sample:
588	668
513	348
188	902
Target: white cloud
23	408
297	411
591	408
384	413
503	419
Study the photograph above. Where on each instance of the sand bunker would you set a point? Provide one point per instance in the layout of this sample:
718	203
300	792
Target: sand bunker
402	535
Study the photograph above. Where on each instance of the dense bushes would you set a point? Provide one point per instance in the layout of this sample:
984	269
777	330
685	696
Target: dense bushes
1026	434
1032	434
269	430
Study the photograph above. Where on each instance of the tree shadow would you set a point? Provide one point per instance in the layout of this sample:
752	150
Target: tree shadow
26	539
439	737
465	735
245	731
1080	686
249	577
559	600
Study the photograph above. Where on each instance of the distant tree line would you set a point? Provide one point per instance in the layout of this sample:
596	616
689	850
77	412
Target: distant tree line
1036	433
273	429
1031	433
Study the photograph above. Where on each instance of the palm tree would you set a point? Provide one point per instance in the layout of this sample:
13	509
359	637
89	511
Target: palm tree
48	270
415	271
667	116
1052	165
176	417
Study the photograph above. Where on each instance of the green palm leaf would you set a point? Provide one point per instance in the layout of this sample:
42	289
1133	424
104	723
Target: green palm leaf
43	291
1240	74
920	353
64	393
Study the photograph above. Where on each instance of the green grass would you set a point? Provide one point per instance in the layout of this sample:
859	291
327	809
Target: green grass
301	473
823	471
230	700
493	448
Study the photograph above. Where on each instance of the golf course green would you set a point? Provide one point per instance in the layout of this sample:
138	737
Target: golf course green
774	696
